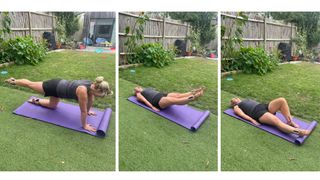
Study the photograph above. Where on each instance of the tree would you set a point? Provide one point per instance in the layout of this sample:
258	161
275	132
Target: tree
201	23
70	22
307	23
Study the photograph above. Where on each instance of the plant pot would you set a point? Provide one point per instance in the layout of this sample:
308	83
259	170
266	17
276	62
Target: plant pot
295	58
189	53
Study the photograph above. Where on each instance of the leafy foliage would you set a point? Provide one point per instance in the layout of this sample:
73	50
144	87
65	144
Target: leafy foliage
153	54
232	39
69	21
5	24
134	37
255	60
307	22
201	23
23	50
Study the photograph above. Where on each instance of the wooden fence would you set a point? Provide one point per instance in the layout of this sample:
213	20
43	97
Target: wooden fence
263	32
165	31
32	24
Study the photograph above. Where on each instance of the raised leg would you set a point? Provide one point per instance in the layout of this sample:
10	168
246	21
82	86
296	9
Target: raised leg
273	120
36	86
168	101
280	104
179	95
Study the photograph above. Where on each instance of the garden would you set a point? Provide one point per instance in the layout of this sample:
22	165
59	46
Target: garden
245	148
149	142
36	146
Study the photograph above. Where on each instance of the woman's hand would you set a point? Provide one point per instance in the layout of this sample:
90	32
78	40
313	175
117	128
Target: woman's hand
89	127
92	113
256	123
155	109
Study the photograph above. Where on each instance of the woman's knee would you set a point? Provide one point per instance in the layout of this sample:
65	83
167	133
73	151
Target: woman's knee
282	99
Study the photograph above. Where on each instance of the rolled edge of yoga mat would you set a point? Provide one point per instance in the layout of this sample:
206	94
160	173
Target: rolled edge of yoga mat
104	123
204	116
300	140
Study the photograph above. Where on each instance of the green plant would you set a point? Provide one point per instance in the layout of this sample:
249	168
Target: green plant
134	36
67	25
5	24
23	50
255	60
232	39
201	23
153	54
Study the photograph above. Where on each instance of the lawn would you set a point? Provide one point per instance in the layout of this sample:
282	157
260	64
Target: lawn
29	145
151	143
245	148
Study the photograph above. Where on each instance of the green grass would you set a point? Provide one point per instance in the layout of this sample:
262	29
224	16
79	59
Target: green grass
182	76
70	65
29	145
151	143
245	148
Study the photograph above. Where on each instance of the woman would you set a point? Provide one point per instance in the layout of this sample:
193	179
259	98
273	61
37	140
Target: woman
83	91
265	113
158	101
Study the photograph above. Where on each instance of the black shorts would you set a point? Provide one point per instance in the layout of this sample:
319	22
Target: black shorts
259	111
50	87
156	100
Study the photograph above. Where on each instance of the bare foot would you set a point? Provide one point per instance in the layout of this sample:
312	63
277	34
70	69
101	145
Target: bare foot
293	124
10	81
303	132
34	101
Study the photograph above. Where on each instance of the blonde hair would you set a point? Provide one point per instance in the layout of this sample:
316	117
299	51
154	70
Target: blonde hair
102	85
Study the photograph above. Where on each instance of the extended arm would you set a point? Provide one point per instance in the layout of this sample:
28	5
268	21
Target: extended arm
89	105
240	113
83	100
145	101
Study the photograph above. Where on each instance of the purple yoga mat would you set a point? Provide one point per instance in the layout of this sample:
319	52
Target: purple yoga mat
273	130
183	115
68	116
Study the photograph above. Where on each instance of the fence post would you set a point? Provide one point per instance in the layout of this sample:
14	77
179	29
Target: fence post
29	20
291	38
186	37
163	31
265	33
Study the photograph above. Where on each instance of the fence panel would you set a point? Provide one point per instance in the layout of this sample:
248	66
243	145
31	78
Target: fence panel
265	33
31	23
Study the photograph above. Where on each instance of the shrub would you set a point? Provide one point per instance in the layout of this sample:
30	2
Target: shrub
23	50
255	60
153	54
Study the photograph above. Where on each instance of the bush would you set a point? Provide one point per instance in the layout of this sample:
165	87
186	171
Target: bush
255	60
153	54
23	50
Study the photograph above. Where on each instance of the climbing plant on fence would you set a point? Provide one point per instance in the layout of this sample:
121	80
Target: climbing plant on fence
134	36
233	40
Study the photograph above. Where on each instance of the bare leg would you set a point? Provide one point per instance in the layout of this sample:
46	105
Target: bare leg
48	103
280	104
169	100
36	86
271	119
179	95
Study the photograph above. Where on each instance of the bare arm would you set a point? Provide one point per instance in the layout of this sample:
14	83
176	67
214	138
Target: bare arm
89	105
83	100
240	113
144	100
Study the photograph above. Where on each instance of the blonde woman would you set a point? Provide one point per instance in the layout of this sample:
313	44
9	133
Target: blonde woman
158	100
258	113
83	91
